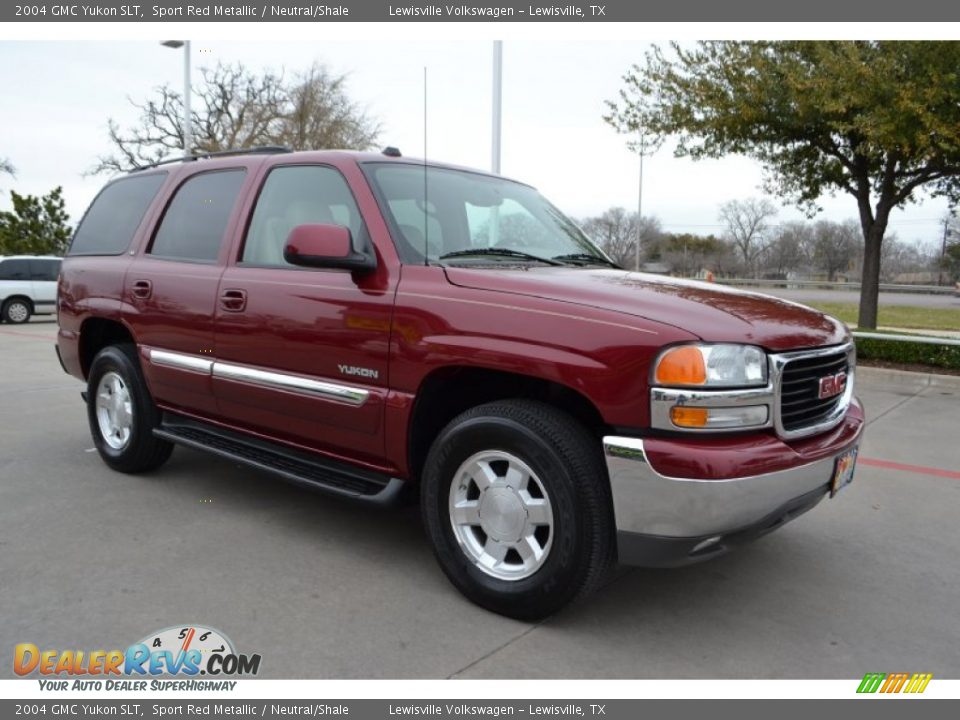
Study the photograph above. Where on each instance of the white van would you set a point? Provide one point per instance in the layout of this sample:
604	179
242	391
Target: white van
28	286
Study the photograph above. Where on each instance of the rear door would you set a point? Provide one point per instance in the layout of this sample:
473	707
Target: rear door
15	279
302	352
171	289
43	277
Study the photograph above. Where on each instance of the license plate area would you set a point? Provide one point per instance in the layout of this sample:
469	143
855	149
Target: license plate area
843	468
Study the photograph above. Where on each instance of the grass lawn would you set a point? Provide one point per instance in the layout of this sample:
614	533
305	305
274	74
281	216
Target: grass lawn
900	316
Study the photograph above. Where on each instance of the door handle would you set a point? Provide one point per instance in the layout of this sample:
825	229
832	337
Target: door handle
142	289
233	300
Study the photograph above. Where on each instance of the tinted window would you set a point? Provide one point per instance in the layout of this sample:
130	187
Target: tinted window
196	219
301	195
45	270
116	213
15	270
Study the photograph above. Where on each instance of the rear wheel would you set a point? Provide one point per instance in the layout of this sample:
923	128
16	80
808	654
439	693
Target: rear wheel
121	413
517	505
17	311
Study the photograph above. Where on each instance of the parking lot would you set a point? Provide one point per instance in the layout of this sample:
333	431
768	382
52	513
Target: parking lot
321	588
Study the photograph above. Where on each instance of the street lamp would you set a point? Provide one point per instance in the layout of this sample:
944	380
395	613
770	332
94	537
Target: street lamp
187	133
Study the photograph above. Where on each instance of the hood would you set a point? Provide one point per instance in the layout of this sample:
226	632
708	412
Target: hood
713	313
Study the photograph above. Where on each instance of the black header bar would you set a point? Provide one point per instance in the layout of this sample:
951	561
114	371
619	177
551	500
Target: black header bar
473	11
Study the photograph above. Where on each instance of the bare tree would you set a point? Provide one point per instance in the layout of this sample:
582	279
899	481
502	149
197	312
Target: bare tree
616	232
747	225
321	115
234	107
6	167
789	249
836	246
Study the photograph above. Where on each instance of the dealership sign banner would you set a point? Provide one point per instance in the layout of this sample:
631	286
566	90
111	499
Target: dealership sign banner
473	11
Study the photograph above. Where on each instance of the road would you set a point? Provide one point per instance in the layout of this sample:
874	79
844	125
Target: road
814	295
322	588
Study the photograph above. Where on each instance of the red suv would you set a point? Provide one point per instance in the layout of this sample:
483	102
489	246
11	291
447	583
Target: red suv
362	323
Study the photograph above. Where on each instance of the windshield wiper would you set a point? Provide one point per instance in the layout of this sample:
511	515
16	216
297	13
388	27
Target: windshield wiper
586	258
499	252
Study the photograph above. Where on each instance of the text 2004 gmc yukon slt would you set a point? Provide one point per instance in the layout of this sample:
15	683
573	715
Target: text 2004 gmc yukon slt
361	323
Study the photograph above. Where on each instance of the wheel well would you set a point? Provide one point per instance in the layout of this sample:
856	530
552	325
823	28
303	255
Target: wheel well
98	333
446	393
25	298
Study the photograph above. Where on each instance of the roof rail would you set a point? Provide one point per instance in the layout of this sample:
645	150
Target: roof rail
258	150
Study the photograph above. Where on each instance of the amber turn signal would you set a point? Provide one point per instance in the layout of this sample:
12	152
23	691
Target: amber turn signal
682	366
692	417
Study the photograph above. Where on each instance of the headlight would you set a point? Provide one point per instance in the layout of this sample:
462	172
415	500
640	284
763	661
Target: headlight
711	366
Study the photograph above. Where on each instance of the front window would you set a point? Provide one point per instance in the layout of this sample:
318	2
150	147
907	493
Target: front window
461	217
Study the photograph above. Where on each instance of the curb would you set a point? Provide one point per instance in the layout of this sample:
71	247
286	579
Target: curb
905	377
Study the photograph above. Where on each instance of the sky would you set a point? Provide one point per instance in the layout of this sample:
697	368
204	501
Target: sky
58	96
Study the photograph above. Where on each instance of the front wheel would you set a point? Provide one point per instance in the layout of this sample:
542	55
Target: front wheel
517	504
17	311
122	414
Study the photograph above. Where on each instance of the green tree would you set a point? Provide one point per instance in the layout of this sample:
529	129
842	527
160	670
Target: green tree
877	120
35	226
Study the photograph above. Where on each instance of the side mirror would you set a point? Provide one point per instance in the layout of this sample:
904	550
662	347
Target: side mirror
325	246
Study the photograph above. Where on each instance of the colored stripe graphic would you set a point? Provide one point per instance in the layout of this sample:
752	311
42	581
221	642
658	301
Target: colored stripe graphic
894	683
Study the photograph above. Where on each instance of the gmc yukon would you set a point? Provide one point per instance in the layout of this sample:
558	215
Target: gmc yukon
372	326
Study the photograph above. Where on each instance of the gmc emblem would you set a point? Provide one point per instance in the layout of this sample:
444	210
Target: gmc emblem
832	385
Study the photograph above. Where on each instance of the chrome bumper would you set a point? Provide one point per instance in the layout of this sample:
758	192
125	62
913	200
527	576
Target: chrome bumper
696	513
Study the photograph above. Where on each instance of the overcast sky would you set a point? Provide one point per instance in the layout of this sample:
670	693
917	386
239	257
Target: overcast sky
57	97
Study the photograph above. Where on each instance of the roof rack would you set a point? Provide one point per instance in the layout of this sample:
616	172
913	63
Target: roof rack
259	150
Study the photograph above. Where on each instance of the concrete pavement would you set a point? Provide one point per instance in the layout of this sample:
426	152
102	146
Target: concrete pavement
322	588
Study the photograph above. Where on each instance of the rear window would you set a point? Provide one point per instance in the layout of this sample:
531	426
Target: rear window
196	219
15	270
116	213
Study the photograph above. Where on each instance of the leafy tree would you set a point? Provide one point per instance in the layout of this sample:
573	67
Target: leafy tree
689	253
35	226
747	226
877	120
234	107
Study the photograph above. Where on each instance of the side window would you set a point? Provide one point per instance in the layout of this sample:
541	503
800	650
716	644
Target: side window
196	220
15	270
44	270
108	226
298	195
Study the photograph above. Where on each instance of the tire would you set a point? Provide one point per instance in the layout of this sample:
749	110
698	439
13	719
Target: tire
17	311
117	398
564	466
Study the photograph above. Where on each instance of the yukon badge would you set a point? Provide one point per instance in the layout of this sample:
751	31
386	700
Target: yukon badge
359	371
832	385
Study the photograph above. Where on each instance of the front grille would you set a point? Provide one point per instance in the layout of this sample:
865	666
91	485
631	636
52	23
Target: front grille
800	403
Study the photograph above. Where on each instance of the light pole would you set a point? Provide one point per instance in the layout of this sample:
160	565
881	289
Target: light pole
497	106
187	130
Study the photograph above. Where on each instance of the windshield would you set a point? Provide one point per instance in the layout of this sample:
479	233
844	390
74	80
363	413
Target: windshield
469	218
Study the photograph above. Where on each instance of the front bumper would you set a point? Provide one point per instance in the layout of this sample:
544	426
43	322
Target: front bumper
663	520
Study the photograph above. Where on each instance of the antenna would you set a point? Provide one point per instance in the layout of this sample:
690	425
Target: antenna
426	218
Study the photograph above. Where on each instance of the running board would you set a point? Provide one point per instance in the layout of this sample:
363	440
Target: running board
295	466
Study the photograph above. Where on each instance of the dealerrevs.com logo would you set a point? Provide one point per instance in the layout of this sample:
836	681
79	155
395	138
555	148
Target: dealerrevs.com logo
180	651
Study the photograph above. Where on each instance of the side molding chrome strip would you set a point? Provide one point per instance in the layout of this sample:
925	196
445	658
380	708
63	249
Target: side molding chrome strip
180	361
264	378
295	383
